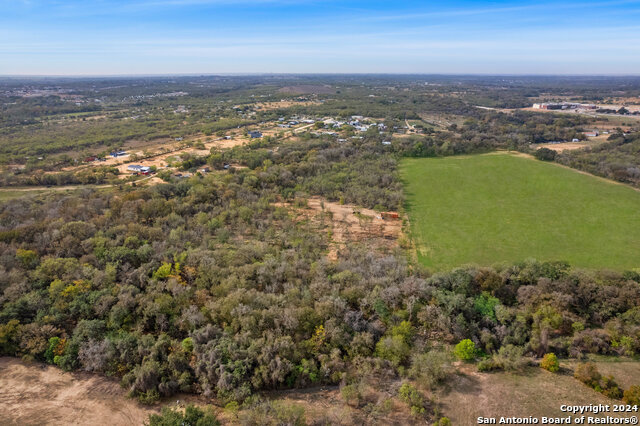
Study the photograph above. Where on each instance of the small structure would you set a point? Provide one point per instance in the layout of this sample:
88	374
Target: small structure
550	106
254	134
592	134
386	142
179	139
138	169
118	153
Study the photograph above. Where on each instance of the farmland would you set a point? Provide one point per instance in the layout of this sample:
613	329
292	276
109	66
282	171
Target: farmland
503	208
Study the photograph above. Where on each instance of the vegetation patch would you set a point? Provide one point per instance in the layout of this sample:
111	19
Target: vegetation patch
502	208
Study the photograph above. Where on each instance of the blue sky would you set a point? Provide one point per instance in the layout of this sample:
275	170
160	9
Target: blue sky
106	37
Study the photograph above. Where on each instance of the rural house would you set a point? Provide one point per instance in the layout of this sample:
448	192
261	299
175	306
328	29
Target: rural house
136	168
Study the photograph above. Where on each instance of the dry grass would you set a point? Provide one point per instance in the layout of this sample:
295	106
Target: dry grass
559	147
283	104
535	393
626	372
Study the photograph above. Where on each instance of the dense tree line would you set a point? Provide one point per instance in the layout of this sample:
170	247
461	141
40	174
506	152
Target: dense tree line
617	159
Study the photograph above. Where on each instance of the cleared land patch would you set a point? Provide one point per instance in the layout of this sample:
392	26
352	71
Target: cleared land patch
487	209
567	146
350	223
32	394
534	393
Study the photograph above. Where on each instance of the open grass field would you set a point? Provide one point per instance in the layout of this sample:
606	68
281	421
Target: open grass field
8	194
493	208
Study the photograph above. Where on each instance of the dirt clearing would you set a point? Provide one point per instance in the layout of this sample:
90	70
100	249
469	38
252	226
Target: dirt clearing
283	104
350	223
36	394
559	147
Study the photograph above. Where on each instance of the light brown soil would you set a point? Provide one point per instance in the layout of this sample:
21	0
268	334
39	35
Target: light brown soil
51	188
559	147
267	106
535	392
159	157
327	404
350	223
34	394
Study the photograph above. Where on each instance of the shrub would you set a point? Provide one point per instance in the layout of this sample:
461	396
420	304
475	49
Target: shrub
410	395
486	304
163	271
465	350
269	413
444	421
545	154
431	368
193	416
187	345
588	374
55	349
404	330
28	258
488	364
394	349
632	396
509	357
550	363
149	397
9	337
610	388
351	394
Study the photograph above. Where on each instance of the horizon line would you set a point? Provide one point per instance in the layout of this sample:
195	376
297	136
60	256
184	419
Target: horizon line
254	74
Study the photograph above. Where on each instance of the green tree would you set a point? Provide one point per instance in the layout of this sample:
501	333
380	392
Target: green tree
28	258
9	337
192	416
465	350
550	363
410	395
545	154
